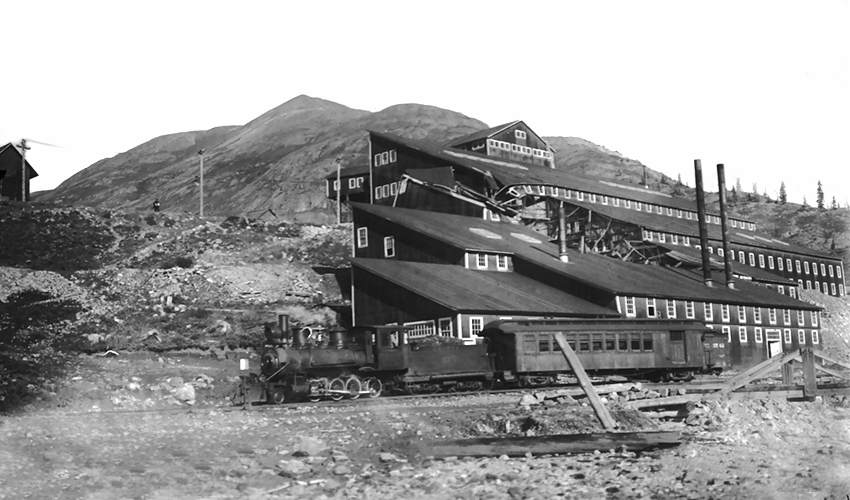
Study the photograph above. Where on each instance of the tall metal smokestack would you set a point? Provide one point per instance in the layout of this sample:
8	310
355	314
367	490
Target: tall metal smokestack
562	233
703	225
724	225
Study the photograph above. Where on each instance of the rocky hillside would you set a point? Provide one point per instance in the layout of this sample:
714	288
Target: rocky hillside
280	159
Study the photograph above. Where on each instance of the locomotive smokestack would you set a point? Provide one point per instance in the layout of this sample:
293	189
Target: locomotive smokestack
724	225
703	226
562	234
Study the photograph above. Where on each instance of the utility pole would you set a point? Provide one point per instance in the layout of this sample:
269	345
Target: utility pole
201	178
338	190
24	172
645	185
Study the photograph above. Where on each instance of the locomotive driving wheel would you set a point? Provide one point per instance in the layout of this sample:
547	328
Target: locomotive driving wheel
278	395
374	386
353	386
337	388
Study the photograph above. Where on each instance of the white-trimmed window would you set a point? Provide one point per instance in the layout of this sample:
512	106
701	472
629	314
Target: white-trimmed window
568	193
689	309
814	315
788	265
671	308
674	239
352	183
476	324
840	290
647	235
808	285
770	261
830	271
362	237
742	314
616	202
420	329
481	261
378	192
604	200
689	214
734	223
519	134
445	327
630	307
658	209
757	314
389	246
817	285
759	338
822	270
753	259
378	162
798	265
801	337
832	288
711	250
815	337
628	203
806	264
720	252
637	205
386	190
780	289
742	334
786	317
771	315
392	156
580	195
779	263
662	237
393	188
679	213
724	313
707	310
786	336
741	257
336	186
838	271
651	311
385	157
686	240
502	262
801	318
669	211
727	330
815	268
792	291
593	197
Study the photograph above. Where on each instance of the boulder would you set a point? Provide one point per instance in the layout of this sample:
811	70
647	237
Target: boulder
309	447
293	468
185	393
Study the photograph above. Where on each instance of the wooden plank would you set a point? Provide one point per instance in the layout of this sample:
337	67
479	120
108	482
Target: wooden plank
584	381
562	444
810	382
600	389
759	371
834	373
671	401
832	360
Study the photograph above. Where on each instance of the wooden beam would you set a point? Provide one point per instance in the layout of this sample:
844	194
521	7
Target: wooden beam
600	389
584	383
832	360
834	373
810	383
562	444
758	371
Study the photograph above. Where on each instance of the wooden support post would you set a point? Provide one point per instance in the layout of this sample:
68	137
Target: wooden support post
788	374
758	371
584	383
810	383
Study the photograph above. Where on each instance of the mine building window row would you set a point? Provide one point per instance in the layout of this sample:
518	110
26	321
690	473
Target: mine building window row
385	158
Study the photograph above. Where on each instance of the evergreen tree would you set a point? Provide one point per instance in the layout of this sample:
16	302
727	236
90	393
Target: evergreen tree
805	203
756	193
834	204
783	195
738	185
820	196
733	197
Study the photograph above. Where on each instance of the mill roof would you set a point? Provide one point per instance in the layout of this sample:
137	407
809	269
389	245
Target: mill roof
31	173
694	256
455	287
595	271
690	228
482	134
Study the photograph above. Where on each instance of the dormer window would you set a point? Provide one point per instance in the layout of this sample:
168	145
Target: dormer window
519	134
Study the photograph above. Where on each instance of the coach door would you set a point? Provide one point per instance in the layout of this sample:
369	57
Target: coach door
677	347
774	342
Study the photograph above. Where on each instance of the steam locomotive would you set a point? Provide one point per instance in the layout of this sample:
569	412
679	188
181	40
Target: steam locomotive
311	364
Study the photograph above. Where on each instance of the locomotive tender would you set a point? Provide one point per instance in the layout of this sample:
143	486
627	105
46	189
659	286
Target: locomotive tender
370	360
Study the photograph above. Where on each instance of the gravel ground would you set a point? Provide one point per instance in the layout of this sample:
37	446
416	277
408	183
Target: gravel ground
744	450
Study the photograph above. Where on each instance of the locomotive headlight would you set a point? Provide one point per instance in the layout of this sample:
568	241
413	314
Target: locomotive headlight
269	362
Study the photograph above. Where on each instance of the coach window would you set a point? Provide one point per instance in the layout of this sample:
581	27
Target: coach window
647	342
584	342
596	342
623	342
362	237
838	271
529	344
610	342
808	285
635	338
543	343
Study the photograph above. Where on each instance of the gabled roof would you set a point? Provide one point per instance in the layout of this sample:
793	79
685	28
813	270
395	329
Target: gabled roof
595	271
482	134
31	171
442	176
504	292
690	228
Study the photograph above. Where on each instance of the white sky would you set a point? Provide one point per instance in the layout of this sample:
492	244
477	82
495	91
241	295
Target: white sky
761	86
